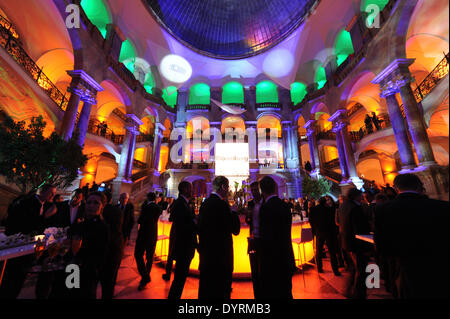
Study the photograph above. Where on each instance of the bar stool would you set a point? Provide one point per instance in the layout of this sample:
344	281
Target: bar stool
306	236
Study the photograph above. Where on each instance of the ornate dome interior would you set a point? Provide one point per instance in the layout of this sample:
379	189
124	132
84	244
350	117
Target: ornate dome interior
230	29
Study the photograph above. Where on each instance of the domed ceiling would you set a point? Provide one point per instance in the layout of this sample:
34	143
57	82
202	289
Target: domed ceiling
230	29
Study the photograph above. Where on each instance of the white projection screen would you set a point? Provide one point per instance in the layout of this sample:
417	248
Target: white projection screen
232	161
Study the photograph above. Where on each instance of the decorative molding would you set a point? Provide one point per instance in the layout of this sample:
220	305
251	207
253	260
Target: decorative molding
394	76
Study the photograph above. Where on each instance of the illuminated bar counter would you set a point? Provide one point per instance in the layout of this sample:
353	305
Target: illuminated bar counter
241	259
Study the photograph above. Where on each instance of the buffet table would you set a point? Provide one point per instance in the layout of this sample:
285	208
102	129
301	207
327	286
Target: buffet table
14	252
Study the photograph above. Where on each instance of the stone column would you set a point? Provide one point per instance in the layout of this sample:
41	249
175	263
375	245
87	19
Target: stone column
70	114
345	150
416	124
341	152
313	147
123	181
159	128
390	80
298	145
252	135
84	88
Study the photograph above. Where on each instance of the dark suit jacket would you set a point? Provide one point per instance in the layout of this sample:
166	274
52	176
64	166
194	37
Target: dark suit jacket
277	256
413	230
148	222
113	217
184	230
216	225
95	237
128	220
62	217
353	221
24	217
249	217
322	220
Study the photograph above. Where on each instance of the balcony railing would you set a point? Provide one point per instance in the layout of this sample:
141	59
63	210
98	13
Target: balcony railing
384	122
326	135
139	164
431	81
355	108
10	42
97	128
268	105
145	138
198	107
4	23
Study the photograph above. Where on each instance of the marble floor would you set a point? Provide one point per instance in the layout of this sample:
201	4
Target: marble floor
314	286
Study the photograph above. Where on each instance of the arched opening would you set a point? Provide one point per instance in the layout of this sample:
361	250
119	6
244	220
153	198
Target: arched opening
322	121
198	150
301	130
170	96
233	123
298	92
320	77
269	124
97	12
110	108
199	94
266	92
128	55
233	92
343	46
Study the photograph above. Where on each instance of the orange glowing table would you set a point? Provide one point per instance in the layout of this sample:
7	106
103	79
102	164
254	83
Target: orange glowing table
241	259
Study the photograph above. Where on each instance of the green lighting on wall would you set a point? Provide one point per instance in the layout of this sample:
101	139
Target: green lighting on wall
170	95
97	12
233	92
321	77
298	92
343	46
365	3
149	83
266	92
199	94
128	55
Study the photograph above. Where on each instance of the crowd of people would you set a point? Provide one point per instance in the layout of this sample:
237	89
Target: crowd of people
408	228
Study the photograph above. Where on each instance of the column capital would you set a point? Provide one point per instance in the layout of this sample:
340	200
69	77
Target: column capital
84	86
339	120
132	123
310	127
394	76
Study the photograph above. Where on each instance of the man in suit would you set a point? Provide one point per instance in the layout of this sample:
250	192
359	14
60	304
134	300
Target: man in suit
184	236
127	209
26	216
254	250
113	217
70	211
216	225
353	221
410	230
146	238
277	255
322	220
51	284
